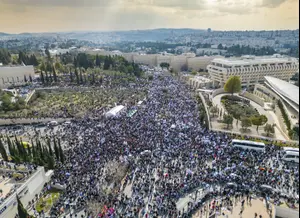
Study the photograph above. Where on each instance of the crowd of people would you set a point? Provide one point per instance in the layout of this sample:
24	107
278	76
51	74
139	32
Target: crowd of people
166	155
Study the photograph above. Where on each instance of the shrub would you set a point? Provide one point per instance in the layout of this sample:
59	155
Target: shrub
232	98
284	115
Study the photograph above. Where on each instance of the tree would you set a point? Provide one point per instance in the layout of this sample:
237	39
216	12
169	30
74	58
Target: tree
77	76
22	212
246	122
98	61
42	77
49	147
269	129
5	57
47	54
228	119
46	77
56	150
194	73
259	120
71	77
81	77
33	60
50	162
233	85
61	153
164	65
3	151
54	74
237	114
214	110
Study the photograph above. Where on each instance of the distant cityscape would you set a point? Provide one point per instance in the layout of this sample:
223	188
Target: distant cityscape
201	42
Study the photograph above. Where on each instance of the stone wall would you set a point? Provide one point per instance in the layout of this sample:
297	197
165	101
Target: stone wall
253	98
218	92
26	193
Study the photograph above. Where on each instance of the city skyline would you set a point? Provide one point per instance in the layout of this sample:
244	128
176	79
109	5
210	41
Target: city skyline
93	15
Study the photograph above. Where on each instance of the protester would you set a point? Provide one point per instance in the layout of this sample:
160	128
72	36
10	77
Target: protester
168	154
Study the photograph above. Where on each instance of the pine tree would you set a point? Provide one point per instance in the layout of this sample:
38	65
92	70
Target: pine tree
77	76
33	152
98	62
54	74
30	78
47	78
42	78
49	147
71	77
50	77
81	78
50	162
3	151
93	78
56	150
61	153
11	148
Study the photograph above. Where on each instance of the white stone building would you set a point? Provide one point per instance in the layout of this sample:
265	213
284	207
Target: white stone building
14	75
252	69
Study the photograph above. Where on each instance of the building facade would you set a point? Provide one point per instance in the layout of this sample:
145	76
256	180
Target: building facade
15	75
252	69
177	62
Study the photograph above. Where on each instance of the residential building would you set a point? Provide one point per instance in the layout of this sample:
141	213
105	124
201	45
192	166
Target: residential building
14	75
252	69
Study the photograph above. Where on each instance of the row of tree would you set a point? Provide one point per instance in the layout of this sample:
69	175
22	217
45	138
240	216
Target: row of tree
247	122
5	57
238	50
49	77
38	153
27	59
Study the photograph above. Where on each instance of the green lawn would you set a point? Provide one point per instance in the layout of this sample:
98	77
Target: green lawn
46	202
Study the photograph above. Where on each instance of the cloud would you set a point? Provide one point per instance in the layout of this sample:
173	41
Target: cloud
60	3
272	3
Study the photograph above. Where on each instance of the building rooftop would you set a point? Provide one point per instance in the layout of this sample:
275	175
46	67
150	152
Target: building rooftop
250	60
284	89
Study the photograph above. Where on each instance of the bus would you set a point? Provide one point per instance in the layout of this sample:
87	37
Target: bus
291	156
248	145
286	149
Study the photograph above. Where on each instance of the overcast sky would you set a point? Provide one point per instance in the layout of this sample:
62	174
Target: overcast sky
66	15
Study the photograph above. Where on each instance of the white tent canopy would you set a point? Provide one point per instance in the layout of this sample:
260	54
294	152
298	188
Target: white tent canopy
114	111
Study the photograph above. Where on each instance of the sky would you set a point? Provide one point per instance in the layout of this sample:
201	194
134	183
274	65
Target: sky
17	16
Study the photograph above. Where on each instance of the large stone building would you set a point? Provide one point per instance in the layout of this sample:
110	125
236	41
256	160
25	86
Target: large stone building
14	75
177	62
252	69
